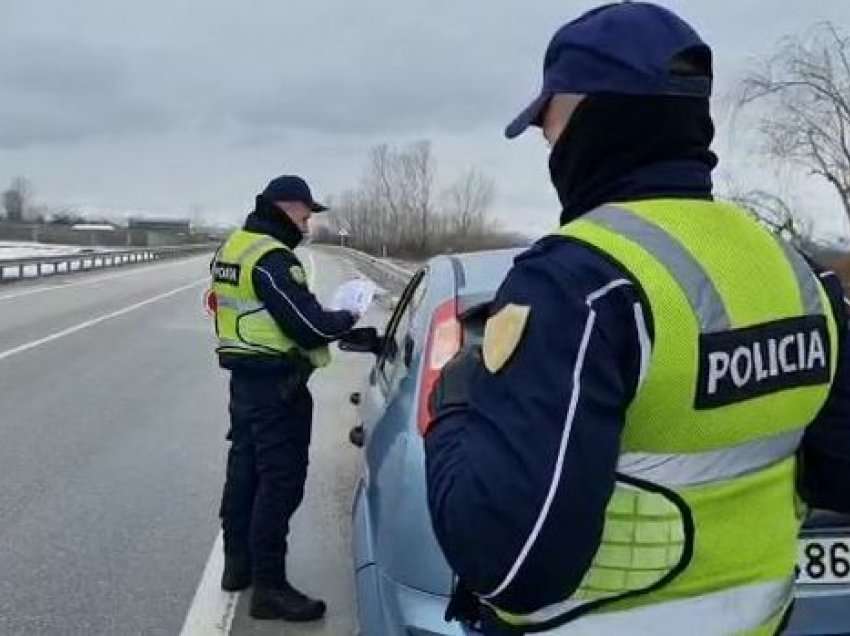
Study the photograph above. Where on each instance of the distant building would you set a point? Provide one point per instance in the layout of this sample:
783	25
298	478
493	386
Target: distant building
152	232
175	226
93	227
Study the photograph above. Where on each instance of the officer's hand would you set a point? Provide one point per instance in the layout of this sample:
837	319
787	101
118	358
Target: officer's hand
451	392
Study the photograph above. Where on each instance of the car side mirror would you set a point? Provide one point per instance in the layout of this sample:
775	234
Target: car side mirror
362	340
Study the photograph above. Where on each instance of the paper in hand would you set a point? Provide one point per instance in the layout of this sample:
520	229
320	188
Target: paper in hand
354	296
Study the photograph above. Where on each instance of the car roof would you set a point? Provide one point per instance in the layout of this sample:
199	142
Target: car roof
482	272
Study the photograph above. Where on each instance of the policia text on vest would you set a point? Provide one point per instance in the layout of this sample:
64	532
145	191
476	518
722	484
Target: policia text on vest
746	363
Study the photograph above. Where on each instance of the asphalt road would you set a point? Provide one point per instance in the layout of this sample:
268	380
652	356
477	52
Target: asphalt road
112	416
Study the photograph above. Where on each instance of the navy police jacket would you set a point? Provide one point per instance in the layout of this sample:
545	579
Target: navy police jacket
292	305
488	478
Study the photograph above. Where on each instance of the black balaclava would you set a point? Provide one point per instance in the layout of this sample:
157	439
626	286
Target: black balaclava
620	148
267	218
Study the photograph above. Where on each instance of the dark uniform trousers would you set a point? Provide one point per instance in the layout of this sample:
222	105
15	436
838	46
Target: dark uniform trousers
266	469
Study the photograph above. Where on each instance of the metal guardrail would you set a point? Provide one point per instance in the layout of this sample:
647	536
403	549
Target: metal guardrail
389	275
17	269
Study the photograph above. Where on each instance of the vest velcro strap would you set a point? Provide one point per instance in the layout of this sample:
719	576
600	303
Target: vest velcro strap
738	610
239	346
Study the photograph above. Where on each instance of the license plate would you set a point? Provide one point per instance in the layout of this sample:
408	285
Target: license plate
823	560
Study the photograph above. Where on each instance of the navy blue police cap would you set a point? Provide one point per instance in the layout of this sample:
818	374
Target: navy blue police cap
628	48
288	187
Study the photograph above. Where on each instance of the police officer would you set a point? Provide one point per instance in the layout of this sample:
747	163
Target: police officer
620	455
272	334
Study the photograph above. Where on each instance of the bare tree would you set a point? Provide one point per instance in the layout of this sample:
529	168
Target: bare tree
418	169
778	215
394	209
17	198
66	216
397	190
806	89
467	202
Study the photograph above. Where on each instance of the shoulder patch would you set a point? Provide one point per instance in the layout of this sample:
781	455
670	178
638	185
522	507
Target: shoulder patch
502	335
298	275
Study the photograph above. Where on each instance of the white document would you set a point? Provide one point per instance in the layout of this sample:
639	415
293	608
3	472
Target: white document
354	296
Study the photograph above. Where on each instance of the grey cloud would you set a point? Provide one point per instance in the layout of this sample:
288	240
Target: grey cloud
147	103
61	92
431	75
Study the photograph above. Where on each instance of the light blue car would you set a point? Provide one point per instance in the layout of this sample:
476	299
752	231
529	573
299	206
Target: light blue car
403	582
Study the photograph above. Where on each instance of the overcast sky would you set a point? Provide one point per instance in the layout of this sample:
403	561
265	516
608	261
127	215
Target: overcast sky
165	105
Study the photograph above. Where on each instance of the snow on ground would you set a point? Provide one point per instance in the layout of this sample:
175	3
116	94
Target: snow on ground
10	250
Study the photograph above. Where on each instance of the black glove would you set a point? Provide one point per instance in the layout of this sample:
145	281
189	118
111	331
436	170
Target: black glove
296	376
362	339
451	392
463	606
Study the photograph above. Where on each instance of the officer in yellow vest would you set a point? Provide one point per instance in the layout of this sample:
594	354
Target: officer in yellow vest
620	455
272	333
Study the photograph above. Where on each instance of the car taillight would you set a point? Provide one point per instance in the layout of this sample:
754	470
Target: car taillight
445	339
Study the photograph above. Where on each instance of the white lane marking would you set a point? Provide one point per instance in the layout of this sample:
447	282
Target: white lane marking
212	609
95	321
99	279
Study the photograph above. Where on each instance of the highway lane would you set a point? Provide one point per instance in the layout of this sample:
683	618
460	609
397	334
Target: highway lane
113	456
29	311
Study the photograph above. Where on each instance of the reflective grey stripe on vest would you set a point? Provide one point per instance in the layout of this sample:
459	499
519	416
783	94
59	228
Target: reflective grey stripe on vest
718	614
702	295
690	469
806	281
261	244
239	306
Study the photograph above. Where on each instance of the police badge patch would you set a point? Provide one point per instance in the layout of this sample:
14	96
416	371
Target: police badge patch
502	335
297	274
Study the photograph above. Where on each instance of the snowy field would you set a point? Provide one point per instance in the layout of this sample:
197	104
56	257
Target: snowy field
10	250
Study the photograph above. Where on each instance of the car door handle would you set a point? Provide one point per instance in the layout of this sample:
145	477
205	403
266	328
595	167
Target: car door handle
408	351
357	436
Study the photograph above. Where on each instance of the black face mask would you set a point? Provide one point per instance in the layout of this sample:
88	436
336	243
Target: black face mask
619	148
269	219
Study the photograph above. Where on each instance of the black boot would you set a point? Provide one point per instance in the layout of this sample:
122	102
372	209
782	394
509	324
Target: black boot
286	603
237	573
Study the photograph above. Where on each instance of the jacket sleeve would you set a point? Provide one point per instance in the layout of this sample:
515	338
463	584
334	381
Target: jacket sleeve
825	452
519	479
293	306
